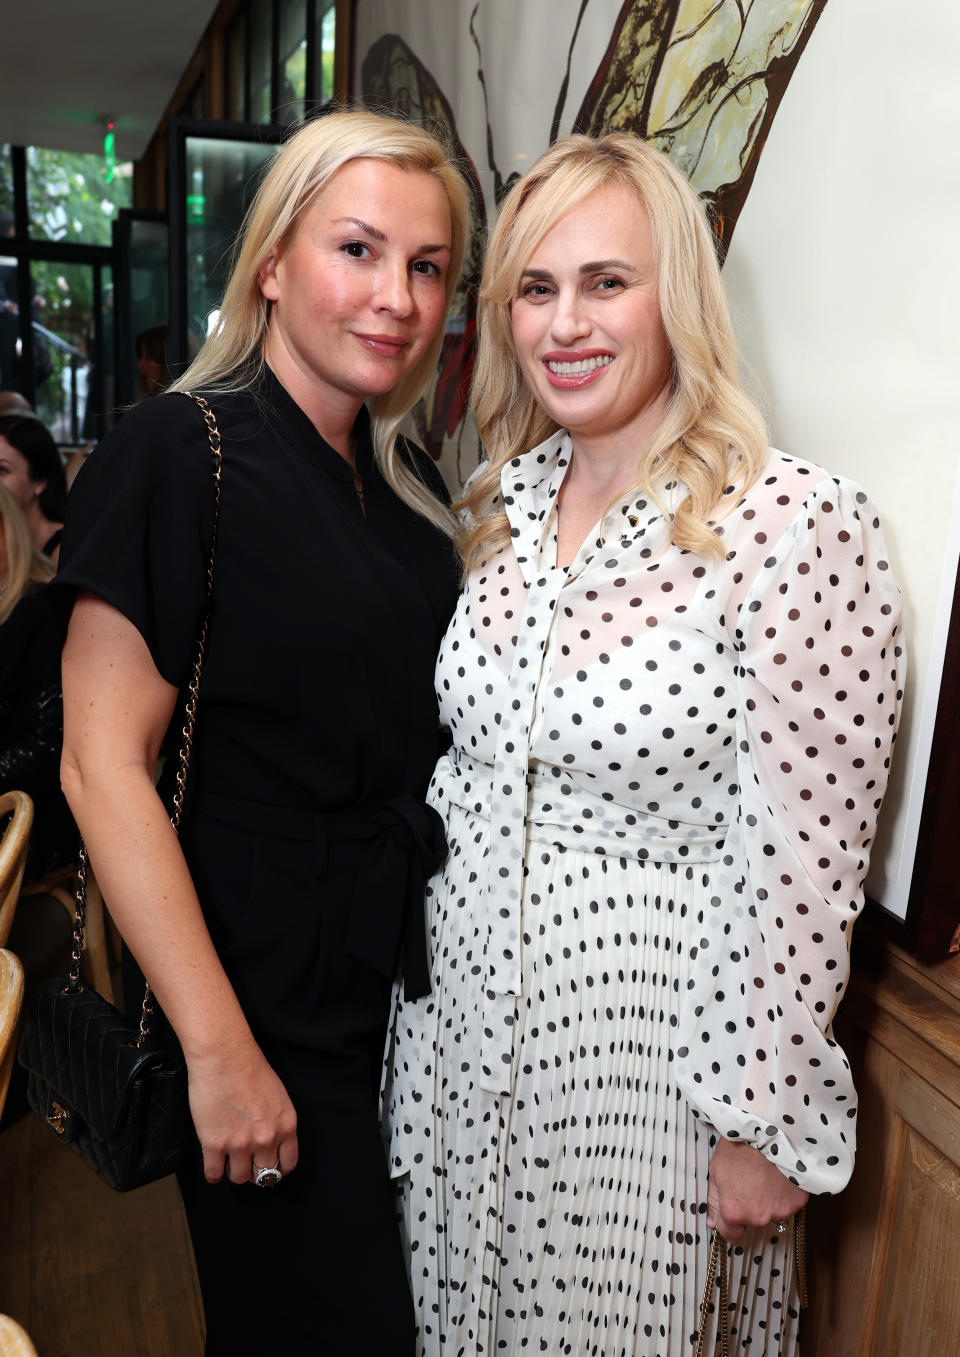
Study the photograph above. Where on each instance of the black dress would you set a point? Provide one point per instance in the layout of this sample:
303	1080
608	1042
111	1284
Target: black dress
31	728
304	829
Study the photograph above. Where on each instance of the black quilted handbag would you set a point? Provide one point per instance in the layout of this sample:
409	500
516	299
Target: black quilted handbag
121	1106
93	1076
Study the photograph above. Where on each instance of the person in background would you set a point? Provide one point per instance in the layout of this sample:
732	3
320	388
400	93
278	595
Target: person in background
12	403
32	470
271	931
31	713
152	360
673	684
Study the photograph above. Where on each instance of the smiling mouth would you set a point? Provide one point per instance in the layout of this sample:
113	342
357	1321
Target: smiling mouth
581	367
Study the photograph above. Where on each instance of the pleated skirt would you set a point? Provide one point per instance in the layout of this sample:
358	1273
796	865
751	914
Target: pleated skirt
568	1216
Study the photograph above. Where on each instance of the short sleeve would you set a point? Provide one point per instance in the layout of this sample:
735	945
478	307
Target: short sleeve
139	525
819	689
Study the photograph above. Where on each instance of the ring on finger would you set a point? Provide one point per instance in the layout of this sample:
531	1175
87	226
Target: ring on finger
267	1176
781	1227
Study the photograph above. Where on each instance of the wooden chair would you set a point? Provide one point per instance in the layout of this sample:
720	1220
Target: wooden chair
62	885
13	854
11	997
14	1341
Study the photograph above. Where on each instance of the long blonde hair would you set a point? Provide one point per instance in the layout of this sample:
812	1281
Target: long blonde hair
711	431
231	358
22	562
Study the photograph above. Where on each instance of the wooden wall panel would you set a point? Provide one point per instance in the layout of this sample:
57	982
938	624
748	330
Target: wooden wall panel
884	1255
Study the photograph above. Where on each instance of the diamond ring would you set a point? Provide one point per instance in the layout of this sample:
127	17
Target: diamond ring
267	1177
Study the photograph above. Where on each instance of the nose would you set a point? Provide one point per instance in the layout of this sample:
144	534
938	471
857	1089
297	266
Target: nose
570	320
394	293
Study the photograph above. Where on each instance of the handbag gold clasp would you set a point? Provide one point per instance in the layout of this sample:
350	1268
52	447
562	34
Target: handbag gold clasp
57	1118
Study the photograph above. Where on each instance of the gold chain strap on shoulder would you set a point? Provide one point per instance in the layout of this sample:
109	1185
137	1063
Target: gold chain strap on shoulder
190	718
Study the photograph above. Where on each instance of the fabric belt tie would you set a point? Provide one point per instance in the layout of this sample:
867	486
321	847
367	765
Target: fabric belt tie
404	844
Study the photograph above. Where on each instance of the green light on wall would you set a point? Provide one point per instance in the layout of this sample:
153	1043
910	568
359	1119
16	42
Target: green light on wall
109	153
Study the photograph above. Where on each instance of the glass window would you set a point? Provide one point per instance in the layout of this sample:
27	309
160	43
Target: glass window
222	177
237	68
69	199
11	368
293	60
101	394
261	59
10	374
6	192
324	36
149	300
63	345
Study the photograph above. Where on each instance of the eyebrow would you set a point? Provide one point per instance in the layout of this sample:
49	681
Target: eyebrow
592	266
375	234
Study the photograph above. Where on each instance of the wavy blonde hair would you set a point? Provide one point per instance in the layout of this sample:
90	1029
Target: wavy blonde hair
711	432
231	358
22	562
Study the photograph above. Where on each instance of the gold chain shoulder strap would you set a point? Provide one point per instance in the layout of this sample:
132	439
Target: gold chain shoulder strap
190	719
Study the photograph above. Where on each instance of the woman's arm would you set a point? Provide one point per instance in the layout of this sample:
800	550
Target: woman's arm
116	710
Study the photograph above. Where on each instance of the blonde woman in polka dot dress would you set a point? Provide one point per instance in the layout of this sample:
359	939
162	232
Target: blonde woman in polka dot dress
672	683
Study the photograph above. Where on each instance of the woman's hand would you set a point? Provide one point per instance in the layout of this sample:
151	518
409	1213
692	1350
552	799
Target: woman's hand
243	1116
746	1191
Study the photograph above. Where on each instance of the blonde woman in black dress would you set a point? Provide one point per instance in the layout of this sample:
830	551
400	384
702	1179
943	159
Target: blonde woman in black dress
271	931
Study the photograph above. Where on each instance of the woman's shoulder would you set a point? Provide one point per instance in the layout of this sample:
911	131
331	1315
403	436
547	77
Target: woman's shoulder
798	518
144	444
786	488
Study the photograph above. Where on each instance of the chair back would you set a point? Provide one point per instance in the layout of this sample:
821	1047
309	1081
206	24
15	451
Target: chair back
11	997
14	1340
13	854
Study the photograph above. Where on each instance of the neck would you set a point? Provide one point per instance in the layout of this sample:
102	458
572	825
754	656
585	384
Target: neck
41	527
332	414
606	462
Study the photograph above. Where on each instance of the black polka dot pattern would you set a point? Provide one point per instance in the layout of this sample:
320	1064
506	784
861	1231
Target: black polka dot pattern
663	785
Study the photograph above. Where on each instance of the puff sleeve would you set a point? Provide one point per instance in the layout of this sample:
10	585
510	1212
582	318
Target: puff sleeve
819	688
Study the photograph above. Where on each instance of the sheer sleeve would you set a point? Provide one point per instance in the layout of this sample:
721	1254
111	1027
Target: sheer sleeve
139	525
819	678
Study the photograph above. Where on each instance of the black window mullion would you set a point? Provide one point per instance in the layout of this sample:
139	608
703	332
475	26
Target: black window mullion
276	85
310	94
247	47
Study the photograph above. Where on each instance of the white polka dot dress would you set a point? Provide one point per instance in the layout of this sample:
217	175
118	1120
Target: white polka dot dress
663	784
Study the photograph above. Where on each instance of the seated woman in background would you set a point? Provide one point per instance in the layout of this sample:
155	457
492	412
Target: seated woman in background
32	470
272	930
31	712
672	685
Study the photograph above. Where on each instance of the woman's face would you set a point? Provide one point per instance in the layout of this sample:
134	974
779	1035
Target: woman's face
358	292
587	324
15	475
